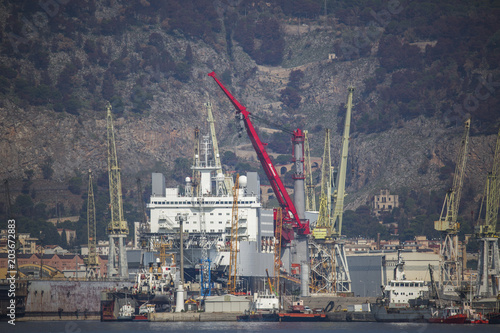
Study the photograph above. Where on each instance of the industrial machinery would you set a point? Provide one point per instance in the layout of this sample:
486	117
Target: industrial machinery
488	281
117	228
92	260
291	219
450	263
329	268
143	225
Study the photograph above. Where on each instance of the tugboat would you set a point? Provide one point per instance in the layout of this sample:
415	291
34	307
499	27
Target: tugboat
448	315
299	312
264	307
403	300
126	313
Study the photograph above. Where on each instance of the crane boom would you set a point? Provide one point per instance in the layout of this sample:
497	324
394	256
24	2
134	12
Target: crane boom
118	225
339	195
449	213
322	229
277	185
215	145
493	196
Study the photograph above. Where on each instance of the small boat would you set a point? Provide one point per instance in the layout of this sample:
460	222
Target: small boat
448	315
126	313
264	308
474	317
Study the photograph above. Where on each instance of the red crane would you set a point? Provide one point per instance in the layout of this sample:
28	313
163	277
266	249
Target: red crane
291	219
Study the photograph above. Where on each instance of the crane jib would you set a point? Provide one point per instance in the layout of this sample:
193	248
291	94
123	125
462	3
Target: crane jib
278	187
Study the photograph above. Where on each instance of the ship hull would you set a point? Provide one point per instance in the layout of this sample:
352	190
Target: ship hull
259	317
457	319
303	317
393	315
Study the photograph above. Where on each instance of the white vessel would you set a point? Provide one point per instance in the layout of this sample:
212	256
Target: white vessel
126	312
158	279
206	205
265	302
399	292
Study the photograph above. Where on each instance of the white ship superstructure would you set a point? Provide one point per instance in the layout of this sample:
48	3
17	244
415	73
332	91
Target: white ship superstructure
206	204
399	291
213	213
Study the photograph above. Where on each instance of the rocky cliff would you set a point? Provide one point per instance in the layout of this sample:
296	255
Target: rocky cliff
156	111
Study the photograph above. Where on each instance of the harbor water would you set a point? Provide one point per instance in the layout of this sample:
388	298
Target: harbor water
187	327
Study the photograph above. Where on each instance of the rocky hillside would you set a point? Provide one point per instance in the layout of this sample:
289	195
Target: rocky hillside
60	64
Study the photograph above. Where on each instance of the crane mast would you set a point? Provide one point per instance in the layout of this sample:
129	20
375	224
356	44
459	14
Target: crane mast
277	247
92	260
488	280
117	228
196	159
310	195
233	263
290	215
450	263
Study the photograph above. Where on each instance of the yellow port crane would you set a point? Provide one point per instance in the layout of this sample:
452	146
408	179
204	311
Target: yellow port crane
92	260
310	195
322	229
488	280
117	227
224	183
329	268
233	254
450	264
330	223
339	193
215	145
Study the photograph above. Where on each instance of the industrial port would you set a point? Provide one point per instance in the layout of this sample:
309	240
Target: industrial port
208	250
